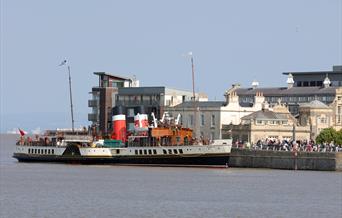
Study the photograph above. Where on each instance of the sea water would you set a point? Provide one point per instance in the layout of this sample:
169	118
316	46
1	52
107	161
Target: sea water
66	190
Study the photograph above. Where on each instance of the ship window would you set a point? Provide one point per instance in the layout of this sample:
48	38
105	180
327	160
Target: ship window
117	151
136	151
52	151
175	151
170	151
38	151
180	151
145	151
149	151
140	151
45	151
29	150
49	151
164	151
154	151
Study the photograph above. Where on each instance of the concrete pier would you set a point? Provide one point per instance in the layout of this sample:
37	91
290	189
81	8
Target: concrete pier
326	161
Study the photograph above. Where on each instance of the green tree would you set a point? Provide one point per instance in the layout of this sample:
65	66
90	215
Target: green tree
328	135
338	140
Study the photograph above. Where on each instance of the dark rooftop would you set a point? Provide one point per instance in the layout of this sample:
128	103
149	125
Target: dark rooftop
190	104
283	91
336	70
146	90
112	76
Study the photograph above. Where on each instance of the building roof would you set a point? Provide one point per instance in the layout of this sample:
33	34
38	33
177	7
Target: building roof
314	104
146	90
336	70
112	76
264	114
284	91
190	104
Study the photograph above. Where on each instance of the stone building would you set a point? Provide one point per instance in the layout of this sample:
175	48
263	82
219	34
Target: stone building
264	124
317	116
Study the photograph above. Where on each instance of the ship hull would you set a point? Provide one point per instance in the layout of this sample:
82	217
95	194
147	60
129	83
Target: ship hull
162	160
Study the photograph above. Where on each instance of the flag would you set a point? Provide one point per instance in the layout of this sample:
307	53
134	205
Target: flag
22	132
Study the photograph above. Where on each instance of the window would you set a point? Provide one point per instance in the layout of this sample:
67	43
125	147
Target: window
175	151
145	151
53	151
140	151
180	151
45	151
35	151
29	150
170	151
259	122
164	151
212	135
213	120
191	120
117	151
154	151
149	151
202	119
49	151
323	120
130	112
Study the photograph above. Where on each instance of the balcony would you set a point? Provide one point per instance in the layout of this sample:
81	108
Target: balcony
93	117
92	103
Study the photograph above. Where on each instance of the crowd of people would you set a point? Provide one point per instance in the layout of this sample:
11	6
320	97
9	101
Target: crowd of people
290	145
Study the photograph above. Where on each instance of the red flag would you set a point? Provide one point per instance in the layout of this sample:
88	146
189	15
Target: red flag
22	132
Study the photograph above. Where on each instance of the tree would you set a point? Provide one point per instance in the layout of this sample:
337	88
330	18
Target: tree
338	140
328	135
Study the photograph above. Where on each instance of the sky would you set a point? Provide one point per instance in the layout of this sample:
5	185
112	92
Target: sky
231	41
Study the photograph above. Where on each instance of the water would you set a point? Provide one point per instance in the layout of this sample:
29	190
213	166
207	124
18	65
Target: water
64	190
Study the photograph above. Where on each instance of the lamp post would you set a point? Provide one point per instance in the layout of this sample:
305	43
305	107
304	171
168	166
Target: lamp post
71	106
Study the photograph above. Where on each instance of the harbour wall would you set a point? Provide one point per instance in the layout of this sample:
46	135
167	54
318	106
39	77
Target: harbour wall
326	161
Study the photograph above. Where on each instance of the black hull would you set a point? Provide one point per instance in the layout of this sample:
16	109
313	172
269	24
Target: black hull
203	160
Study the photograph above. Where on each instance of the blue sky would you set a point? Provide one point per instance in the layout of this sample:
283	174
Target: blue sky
232	41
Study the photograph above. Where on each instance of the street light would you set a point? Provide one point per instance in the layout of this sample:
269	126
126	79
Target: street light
71	106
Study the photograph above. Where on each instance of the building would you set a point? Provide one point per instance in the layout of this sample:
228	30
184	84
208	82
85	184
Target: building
209	117
302	87
317	116
277	124
205	120
103	99
151	99
317	78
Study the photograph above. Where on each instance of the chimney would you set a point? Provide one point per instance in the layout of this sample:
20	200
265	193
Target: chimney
290	81
326	82
255	84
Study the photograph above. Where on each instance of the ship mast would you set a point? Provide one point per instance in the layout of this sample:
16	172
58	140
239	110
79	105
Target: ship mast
194	94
